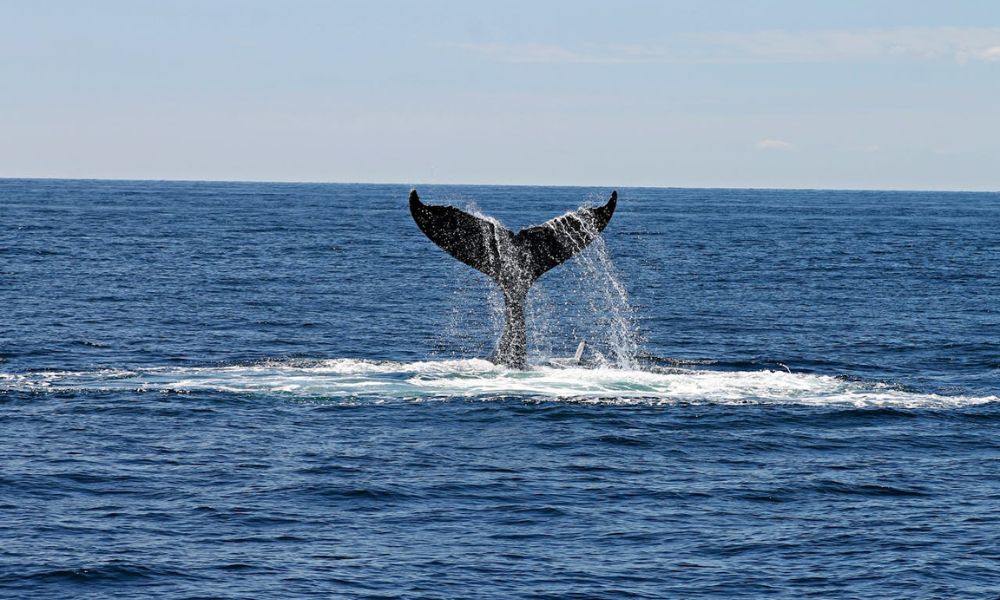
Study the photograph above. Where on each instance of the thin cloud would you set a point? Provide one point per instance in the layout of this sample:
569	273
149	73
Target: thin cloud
771	144
544	54
991	54
958	45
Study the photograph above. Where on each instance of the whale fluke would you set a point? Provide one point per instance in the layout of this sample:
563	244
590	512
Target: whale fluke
514	262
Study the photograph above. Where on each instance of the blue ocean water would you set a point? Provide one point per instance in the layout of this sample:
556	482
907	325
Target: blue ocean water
248	390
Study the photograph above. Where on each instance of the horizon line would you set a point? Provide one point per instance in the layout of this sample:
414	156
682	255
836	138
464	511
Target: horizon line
533	185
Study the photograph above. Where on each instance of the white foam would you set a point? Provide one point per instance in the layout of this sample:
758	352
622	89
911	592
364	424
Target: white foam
345	378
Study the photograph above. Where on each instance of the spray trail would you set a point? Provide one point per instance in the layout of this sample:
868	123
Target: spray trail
586	300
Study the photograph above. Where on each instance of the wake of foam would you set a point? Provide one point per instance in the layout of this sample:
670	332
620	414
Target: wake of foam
351	379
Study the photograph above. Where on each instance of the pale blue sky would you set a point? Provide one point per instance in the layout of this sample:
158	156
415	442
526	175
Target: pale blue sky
838	94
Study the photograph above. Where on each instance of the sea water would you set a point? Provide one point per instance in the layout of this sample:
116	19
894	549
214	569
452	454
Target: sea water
247	390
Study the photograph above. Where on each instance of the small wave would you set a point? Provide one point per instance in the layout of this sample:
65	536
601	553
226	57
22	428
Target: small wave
867	489
92	344
356	380
111	572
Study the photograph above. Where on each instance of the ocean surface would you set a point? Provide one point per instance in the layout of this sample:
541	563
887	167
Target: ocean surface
250	390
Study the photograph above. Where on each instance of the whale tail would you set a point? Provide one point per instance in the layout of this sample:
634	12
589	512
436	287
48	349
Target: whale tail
513	261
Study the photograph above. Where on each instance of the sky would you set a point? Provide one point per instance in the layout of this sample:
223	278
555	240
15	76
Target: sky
838	94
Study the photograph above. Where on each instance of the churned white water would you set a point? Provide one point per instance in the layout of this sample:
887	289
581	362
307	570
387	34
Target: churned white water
347	379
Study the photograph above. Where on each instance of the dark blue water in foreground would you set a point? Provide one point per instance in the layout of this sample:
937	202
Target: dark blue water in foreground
235	390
